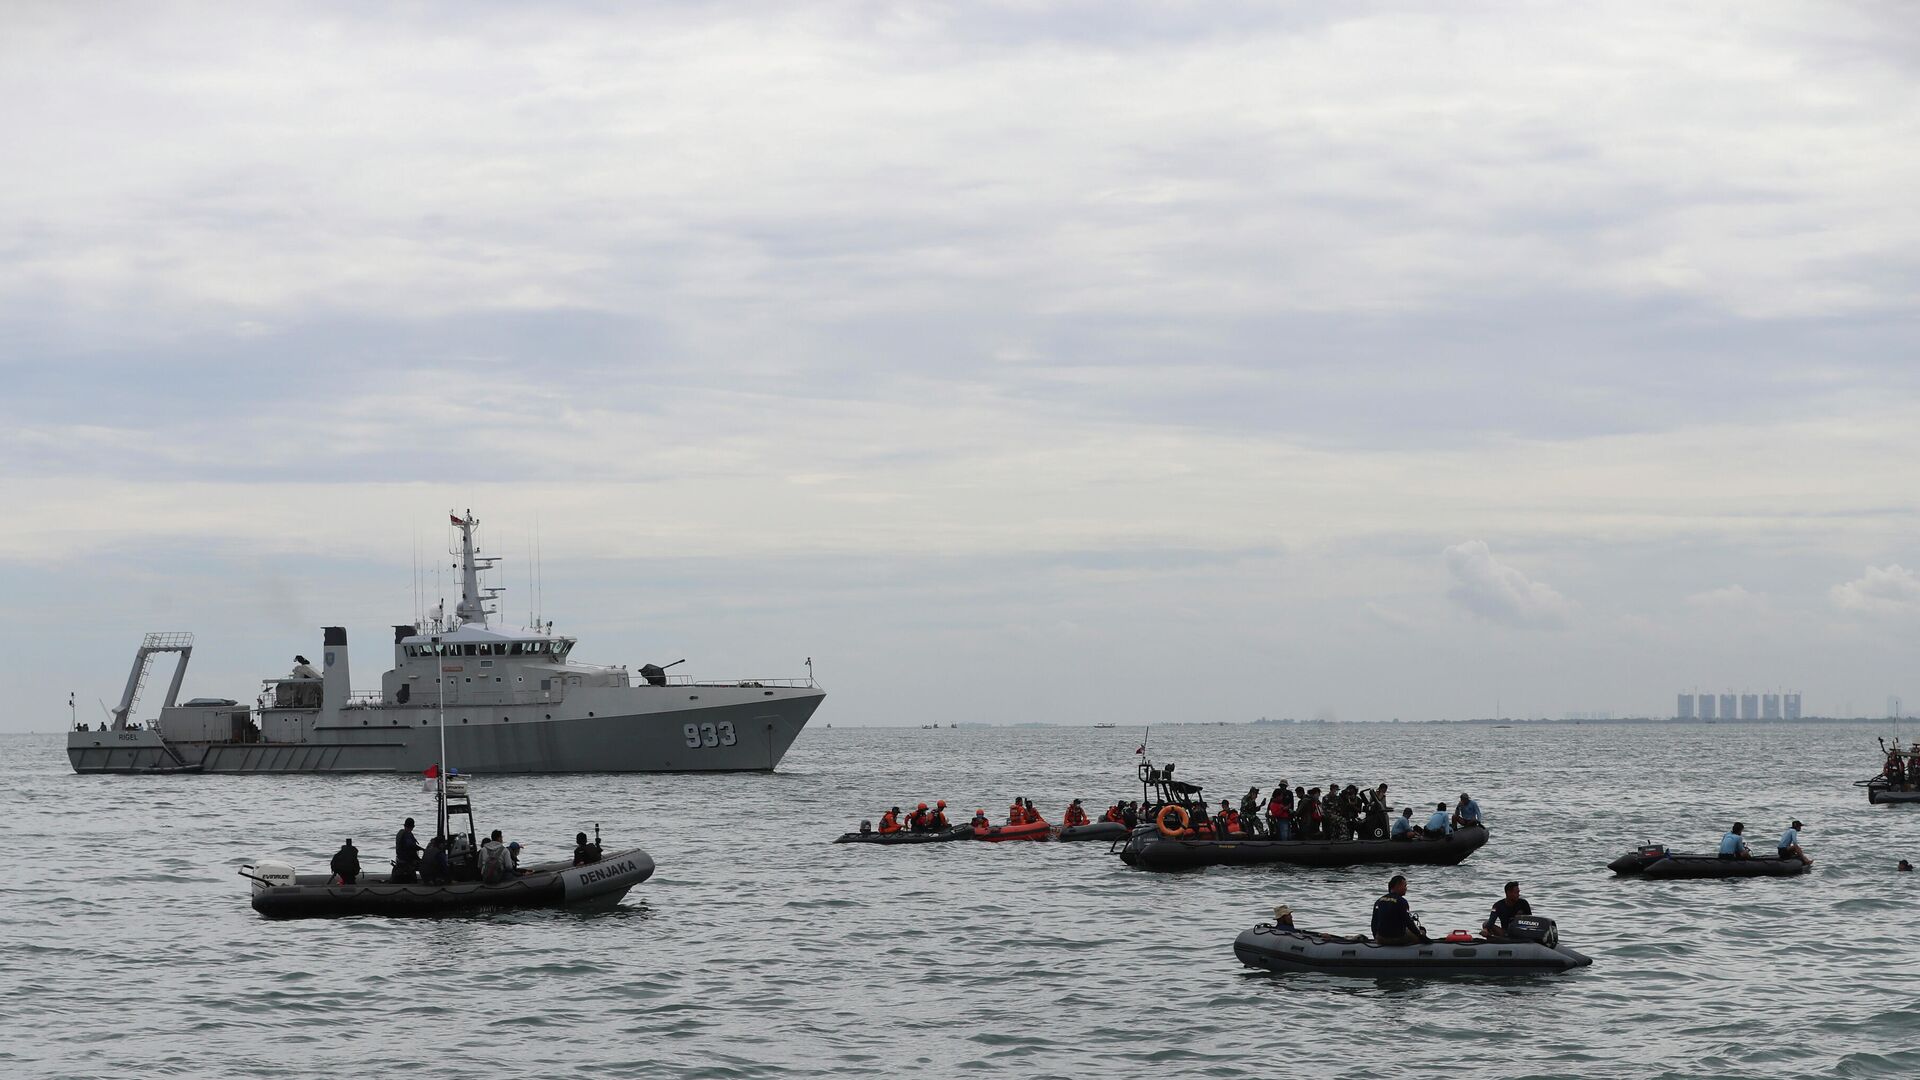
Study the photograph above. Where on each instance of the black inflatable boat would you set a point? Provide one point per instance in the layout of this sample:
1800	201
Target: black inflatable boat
280	893
1149	849
1655	863
1095	830
1277	948
906	836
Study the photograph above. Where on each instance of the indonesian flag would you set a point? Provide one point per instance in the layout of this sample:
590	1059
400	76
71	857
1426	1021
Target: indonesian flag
457	519
433	770
1142	750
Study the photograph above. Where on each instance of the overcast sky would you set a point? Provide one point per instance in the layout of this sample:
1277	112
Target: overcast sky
1077	362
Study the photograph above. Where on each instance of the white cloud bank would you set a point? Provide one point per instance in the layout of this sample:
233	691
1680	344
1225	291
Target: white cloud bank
1882	590
1501	594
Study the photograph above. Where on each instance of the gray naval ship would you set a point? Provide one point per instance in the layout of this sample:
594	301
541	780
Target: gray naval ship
515	702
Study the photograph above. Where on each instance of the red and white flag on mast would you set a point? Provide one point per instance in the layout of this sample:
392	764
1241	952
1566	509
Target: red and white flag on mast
457	519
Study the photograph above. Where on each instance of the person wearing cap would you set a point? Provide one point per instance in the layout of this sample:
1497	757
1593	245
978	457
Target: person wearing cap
513	860
1075	814
1283	916
1438	824
1033	816
1733	845
346	863
1393	921
406	855
1790	844
1505	910
890	821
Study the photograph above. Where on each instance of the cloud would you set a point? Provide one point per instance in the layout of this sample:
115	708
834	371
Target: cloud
1501	594
1388	617
1730	600
1882	590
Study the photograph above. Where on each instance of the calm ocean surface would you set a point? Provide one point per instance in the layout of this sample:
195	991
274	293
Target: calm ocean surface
762	950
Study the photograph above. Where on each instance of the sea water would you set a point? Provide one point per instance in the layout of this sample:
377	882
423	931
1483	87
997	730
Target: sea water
761	949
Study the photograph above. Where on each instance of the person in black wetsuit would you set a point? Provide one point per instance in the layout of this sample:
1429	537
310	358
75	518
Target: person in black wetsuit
346	863
1393	921
406	855
584	853
1505	910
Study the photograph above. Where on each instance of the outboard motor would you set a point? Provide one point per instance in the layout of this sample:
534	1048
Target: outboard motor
1535	928
268	875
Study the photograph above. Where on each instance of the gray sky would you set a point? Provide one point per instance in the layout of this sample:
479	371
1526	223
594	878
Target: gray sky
1069	362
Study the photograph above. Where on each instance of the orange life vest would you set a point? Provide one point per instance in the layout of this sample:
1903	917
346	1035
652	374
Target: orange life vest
1016	814
888	823
1076	816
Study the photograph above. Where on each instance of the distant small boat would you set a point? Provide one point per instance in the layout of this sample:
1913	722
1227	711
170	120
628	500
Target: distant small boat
1106	725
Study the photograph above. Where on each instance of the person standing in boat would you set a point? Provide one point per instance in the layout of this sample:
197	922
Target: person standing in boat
494	864
1506	909
406	855
1790	844
1393	921
1733	845
346	863
1250	811
1016	813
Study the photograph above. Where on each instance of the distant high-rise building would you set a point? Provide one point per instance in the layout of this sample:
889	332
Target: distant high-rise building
1729	707
1749	706
1769	706
1790	705
1684	711
1706	707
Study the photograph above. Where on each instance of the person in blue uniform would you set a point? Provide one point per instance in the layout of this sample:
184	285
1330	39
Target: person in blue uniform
1466	812
1393	921
1437	822
1402	825
1506	909
1733	845
1790	844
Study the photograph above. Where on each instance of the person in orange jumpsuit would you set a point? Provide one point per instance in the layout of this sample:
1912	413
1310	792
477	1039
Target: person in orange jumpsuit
890	821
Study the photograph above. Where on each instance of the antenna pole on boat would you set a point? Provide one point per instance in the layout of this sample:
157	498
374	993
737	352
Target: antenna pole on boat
440	788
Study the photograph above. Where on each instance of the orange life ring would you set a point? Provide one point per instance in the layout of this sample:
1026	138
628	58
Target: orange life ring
1176	811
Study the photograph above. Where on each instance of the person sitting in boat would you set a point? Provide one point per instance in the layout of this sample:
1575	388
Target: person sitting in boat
406	855
1466	812
1280	813
1393	921
1790	844
1130	814
1113	815
346	864
1733	845
437	871
1402	826
1074	815
937	820
917	821
1033	816
513	859
890	822
1506	909
586	854
1017	813
1438	823
1894	771
1283	916
980	819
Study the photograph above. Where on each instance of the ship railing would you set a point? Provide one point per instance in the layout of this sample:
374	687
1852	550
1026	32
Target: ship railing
694	680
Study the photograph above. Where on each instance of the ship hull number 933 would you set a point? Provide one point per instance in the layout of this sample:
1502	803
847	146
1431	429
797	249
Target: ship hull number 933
706	735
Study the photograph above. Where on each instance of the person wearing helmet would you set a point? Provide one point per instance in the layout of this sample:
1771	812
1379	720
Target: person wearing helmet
980	818
938	819
917	821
